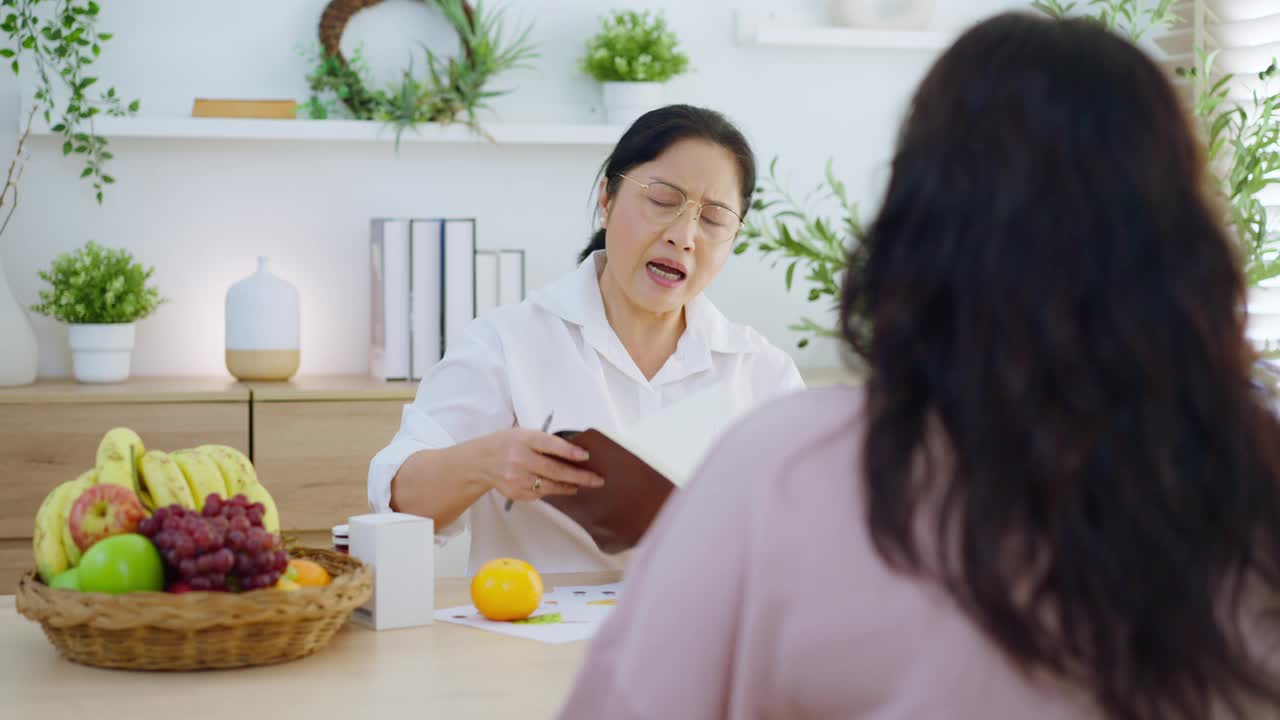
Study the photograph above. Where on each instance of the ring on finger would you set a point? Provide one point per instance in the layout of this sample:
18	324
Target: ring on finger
537	484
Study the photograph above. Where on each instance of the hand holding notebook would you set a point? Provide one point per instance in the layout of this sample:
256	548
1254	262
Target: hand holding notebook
545	424
641	466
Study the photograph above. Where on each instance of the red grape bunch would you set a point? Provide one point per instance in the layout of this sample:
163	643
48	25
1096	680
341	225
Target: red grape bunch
222	548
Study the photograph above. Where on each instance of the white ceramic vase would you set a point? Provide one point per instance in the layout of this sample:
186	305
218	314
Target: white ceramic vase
17	339
101	353
263	333
883	14
624	102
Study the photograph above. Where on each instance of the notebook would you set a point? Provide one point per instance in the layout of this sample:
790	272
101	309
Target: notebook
642	466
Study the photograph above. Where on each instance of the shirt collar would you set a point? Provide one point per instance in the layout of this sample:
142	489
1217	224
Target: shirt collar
576	299
576	296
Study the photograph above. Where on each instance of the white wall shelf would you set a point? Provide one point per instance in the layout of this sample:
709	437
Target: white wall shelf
770	32
177	127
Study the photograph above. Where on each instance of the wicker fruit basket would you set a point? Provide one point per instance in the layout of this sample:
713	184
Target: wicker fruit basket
198	631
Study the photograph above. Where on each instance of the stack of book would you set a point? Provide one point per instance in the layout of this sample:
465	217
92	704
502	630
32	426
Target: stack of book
499	278
428	282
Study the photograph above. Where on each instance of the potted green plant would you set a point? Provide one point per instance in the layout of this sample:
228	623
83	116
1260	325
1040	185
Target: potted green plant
1242	139
796	232
58	43
633	55
100	293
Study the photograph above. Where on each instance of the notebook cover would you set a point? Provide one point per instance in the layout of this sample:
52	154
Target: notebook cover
618	514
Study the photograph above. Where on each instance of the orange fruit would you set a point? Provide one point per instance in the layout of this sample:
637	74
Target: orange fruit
308	573
285	583
506	589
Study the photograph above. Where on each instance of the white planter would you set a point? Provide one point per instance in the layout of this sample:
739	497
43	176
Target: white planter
101	353
17	340
1263	318
624	102
263	334
883	14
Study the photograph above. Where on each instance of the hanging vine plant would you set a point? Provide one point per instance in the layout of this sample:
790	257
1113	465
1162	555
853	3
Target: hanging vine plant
449	90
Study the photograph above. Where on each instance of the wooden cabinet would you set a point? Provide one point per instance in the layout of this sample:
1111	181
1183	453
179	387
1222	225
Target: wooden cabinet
49	434
313	440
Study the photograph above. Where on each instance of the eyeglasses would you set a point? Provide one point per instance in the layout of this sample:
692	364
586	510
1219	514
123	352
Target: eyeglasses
664	203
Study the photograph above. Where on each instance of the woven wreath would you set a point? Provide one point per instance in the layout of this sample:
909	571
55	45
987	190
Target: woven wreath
333	23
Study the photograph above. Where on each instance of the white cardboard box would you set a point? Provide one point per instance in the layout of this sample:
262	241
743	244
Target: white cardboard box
400	549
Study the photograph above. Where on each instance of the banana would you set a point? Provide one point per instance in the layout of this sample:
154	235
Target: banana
78	486
236	469
46	541
118	454
161	482
271	518
202	474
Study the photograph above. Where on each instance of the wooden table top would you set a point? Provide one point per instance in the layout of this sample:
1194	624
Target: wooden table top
438	671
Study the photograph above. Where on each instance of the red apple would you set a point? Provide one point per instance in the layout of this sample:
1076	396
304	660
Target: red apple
103	511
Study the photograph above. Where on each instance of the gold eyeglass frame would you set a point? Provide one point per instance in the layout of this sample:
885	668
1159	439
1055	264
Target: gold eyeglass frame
687	202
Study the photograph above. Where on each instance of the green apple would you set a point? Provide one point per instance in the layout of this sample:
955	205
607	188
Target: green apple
69	580
122	564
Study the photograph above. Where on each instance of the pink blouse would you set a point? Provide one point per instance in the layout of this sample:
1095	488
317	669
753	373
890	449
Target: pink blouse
758	594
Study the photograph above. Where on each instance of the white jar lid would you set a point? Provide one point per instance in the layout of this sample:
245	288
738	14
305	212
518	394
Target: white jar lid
341	531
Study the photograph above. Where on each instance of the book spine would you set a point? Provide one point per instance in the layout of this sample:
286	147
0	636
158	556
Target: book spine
511	274
396	254
377	302
488	281
428	295
459	277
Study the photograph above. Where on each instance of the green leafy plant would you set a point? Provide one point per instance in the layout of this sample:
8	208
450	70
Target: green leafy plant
97	285
1132	18
1242	137
59	40
1243	141
634	47
795	232
333	83
449	90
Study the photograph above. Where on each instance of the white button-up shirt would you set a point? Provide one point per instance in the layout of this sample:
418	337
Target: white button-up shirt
557	352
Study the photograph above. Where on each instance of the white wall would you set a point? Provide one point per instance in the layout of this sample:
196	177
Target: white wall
200	211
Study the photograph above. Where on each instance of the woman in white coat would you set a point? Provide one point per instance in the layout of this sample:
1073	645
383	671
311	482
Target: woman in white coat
625	335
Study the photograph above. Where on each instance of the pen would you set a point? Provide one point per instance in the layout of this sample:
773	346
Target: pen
545	424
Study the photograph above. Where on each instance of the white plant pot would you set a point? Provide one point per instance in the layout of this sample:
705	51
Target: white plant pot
100	353
1263	318
883	14
17	340
624	102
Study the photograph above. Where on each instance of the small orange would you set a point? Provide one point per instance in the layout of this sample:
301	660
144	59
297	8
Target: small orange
506	589
284	583
308	573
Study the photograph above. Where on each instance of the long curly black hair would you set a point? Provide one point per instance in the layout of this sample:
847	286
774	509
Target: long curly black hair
1059	393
